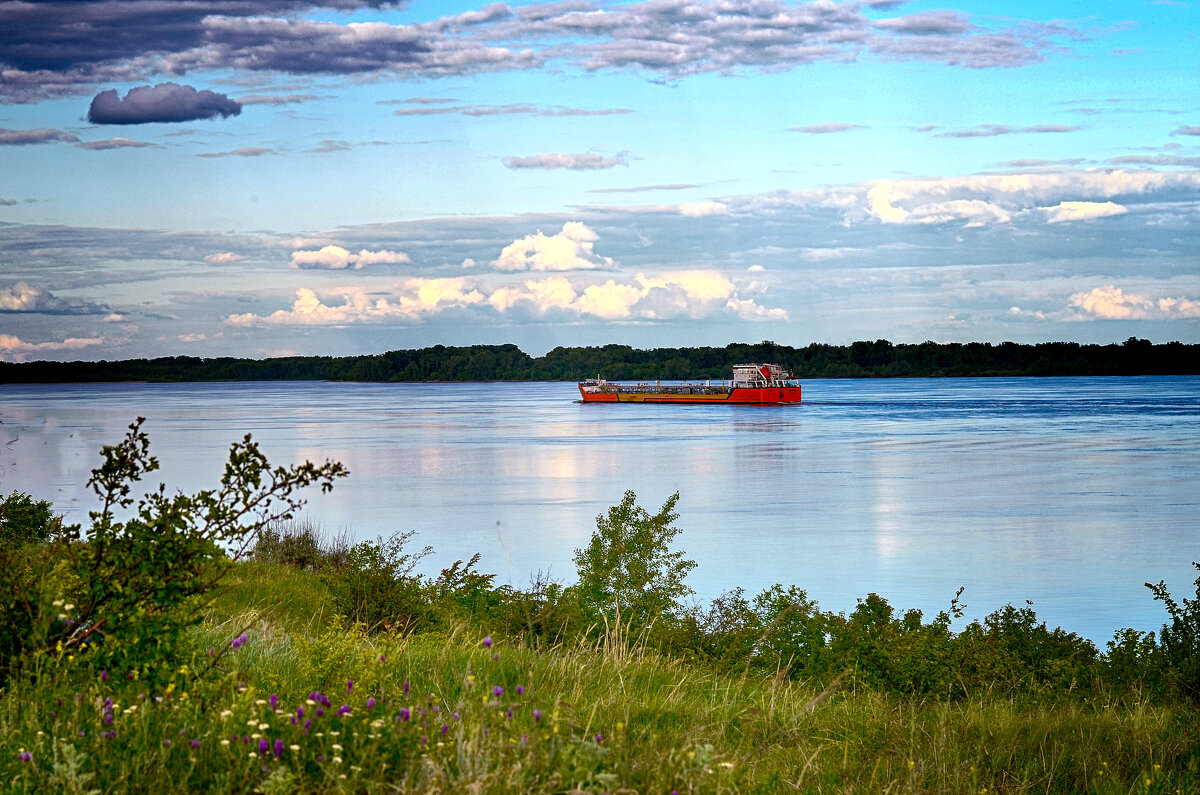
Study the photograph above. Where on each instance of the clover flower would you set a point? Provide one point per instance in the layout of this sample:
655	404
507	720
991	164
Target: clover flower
404	715
25	757
343	710
370	702
487	642
520	690
497	691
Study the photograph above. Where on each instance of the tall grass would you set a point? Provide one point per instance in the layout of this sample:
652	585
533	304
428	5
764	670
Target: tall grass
582	716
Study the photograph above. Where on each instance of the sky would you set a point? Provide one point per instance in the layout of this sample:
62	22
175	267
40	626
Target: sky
270	177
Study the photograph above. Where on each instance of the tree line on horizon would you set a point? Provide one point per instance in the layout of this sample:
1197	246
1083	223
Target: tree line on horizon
863	359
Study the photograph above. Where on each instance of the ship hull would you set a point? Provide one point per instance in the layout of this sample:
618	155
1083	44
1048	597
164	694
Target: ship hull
700	395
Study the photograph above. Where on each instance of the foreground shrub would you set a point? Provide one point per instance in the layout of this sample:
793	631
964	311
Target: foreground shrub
122	592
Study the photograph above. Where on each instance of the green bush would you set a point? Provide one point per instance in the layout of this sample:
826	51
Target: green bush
26	527
133	585
1180	639
628	575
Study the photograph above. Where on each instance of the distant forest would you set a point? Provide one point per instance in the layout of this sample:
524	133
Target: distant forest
878	359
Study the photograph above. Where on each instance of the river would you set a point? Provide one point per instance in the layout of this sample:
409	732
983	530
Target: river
1069	492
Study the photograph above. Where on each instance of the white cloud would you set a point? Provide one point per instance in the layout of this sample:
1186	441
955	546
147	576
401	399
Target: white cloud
999	198
410	300
13	348
337	258
1113	303
1081	211
701	209
224	258
571	249
661	296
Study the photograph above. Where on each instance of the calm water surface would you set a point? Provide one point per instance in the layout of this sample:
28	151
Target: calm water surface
1070	492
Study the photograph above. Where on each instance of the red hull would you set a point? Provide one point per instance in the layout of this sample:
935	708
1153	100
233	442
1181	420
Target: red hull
701	395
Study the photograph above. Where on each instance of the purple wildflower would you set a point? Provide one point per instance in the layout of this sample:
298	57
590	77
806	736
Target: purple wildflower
349	686
278	748
404	715
599	737
308	724
166	743
520	690
456	715
497	691
343	710
240	640
274	701
104	676
320	712
537	716
382	658
508	714
445	728
370	702
194	743
406	687
25	757
436	708
300	712
320	758
263	746
524	738
487	642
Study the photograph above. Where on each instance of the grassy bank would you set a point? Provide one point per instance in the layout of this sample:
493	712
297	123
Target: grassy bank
208	643
454	712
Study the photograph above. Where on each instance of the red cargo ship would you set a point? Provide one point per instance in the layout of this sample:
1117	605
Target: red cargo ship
752	383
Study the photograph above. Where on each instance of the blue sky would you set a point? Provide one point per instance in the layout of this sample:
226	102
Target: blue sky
271	177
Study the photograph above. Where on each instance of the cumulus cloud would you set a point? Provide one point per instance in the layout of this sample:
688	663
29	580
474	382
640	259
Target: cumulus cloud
1082	211
14	348
411	300
24	297
38	136
165	102
114	143
337	258
571	249
664	296
701	209
1000	198
1113	303
574	162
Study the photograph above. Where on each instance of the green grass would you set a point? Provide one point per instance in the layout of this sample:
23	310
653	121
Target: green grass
611	720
